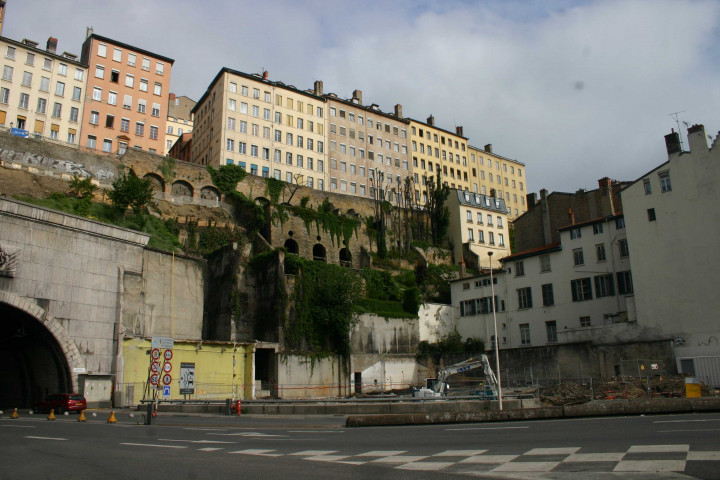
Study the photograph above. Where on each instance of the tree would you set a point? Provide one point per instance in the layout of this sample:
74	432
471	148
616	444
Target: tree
131	191
435	206
82	187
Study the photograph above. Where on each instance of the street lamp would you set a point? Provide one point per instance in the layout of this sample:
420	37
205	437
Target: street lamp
497	350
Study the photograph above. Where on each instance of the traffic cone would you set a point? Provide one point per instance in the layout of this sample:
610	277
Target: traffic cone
82	418
52	415
112	418
15	414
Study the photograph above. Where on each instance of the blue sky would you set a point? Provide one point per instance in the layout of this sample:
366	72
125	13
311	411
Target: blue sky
575	90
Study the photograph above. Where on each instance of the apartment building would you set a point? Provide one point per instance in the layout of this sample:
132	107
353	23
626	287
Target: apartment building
127	96
434	148
179	119
368	149
268	128
497	176
478	225
41	91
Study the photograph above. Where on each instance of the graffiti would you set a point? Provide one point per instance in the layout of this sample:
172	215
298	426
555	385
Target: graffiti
64	166
8	262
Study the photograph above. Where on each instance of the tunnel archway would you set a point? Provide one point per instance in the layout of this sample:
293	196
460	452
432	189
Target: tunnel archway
32	362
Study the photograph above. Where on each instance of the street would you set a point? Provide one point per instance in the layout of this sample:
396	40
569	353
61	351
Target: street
194	447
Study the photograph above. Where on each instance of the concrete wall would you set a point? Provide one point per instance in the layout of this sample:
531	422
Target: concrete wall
387	373
435	321
306	377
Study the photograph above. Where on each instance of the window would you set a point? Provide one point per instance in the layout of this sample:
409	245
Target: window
144	85
47	64
624	282
107	145
154	132
544	263
132	58
159	68
575	233
519	268
524	298
27	79
112	98
604	286
578	256
242	147
99	71
551	329
129	80
585	321
139	129
253	150
651	214
73	114
125	125
524	334
665	185
491	238
470	235
158	89
57	109
600	252
646	186
146	64
10	52
620	223
91	141
7	73
77	93
547	295
141	107
25	100
155	112
597	229
94	117
41	104
623	247
581	289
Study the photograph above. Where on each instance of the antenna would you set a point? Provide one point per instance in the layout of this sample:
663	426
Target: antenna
677	121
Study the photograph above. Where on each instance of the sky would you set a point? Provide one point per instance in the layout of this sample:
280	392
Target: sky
576	90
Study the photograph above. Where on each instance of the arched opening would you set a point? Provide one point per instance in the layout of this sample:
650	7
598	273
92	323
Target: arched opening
32	364
183	190
158	184
210	193
345	257
292	246
266	230
319	253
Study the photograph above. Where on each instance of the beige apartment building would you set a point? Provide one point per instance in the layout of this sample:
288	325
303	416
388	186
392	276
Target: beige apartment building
127	96
497	176
41	91
179	119
368	149
268	128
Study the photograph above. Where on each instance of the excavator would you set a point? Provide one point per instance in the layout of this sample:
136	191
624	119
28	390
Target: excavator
437	387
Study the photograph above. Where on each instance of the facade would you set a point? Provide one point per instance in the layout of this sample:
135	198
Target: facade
268	128
179	120
182	148
41	91
127	96
494	175
478	225
368	149
673	221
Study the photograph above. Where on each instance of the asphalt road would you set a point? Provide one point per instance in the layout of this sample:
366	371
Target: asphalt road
218	447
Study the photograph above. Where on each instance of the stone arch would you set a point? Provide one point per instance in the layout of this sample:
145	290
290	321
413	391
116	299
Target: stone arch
157	182
345	257
67	348
210	193
352	213
319	252
292	246
181	188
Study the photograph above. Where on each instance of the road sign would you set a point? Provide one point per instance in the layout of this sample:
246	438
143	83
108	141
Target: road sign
155	366
162	342
167	379
155	353
166	391
168	354
187	379
154	378
167	367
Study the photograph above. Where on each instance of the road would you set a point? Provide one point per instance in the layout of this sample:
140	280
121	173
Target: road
196	447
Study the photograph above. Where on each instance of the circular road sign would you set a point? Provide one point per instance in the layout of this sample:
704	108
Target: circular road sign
167	379
155	366
168	354
154	378
167	367
155	353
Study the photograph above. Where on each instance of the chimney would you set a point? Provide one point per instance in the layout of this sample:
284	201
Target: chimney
172	97
531	199
672	142
398	111
488	148
459	131
461	269
545	211
318	87
52	45
357	97
571	216
265	75
88	32
697	140
431	121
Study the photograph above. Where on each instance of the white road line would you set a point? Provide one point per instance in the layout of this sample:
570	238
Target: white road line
459	453
247	434
313	431
18	426
191	441
687	421
209	449
152	445
382	453
313	453
206	429
45	438
692	430
424	466
484	428
658	448
650	466
552	451
262	453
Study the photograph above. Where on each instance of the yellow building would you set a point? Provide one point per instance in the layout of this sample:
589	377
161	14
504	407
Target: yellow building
268	128
497	176
179	120
41	91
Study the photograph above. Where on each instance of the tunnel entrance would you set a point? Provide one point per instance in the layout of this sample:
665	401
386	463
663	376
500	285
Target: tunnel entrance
32	364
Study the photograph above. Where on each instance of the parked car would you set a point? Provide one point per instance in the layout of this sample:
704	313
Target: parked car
62	402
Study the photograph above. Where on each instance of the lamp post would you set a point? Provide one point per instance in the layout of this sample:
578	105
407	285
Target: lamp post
497	350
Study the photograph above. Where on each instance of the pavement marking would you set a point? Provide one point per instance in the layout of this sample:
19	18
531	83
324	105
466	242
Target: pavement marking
209	449
247	434
552	451
400	459
484	428
313	453
192	441
489	459
595	457
45	438
650	466
314	431
206	429
459	453
425	466
658	448
691	430
687	421
381	453
703	456
526	467
329	458
18	426
262	453
152	445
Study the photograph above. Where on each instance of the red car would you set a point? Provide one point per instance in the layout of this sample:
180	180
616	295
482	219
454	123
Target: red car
62	402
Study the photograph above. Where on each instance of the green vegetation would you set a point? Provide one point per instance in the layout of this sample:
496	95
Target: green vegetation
340	227
451	343
131	191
